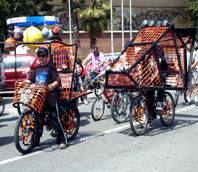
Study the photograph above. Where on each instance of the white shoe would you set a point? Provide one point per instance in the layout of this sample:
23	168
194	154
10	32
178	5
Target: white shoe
159	106
62	146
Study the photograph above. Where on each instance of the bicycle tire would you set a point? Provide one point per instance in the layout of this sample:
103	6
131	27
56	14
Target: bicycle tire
97	106
168	114
119	105
25	132
2	105
138	116
70	120
98	91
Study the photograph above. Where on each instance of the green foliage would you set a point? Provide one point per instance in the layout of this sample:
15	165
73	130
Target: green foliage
95	18
17	8
192	7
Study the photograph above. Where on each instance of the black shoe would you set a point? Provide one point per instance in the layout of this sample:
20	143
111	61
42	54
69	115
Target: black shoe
188	103
37	143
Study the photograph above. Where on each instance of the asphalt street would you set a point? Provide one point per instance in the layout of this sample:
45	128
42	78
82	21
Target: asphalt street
105	146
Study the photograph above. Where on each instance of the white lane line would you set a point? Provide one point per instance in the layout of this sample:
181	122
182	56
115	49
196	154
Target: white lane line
19	157
82	139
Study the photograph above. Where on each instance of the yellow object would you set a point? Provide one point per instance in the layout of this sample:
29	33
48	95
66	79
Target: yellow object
9	44
32	34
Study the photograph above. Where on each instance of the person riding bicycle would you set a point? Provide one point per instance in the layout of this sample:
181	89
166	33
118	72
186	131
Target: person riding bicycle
160	93
194	72
97	59
46	73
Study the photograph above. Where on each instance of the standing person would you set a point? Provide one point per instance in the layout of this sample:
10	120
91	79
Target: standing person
46	73
97	59
194	72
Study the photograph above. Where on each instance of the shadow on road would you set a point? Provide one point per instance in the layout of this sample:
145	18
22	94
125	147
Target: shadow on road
8	119
157	127
6	140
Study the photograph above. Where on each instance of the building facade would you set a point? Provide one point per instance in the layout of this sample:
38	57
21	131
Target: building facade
171	10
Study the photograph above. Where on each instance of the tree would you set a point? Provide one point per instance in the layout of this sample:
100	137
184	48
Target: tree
17	8
192	7
95	19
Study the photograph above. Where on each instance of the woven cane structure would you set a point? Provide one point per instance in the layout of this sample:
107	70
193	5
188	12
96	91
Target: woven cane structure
141	61
30	94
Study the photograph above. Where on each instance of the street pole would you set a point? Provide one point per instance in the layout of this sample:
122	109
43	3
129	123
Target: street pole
70	29
112	46
122	11
131	13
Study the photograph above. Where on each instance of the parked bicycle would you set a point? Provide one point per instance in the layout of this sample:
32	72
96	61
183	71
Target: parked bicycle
117	101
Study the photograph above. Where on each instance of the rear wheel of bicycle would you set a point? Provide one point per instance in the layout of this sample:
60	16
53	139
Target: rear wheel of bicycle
138	116
98	108
120	106
168	114
2	105
25	132
70	120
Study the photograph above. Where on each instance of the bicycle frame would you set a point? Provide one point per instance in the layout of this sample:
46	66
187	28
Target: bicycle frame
107	96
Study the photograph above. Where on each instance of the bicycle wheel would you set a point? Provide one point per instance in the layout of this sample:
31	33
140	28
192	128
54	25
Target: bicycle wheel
98	89
70	120
2	105
25	132
138	116
97	109
120	106
168	114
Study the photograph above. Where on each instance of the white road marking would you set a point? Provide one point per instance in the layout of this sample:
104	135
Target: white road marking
82	139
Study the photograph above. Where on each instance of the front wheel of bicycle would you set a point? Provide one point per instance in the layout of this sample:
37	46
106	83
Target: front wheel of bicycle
168	113
98	108
2	105
70	120
25	132
138	116
120	107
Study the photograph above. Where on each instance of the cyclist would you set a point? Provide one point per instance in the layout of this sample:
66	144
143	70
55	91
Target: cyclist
97	59
160	93
46	73
194	72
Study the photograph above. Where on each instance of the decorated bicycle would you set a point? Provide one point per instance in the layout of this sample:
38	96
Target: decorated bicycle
153	62
30	98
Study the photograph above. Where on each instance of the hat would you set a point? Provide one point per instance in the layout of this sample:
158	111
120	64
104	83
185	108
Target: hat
43	50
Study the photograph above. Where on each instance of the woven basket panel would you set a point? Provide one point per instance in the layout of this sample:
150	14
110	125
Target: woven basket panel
31	95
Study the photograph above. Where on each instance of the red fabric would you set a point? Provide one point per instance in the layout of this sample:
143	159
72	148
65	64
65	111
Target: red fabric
34	64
